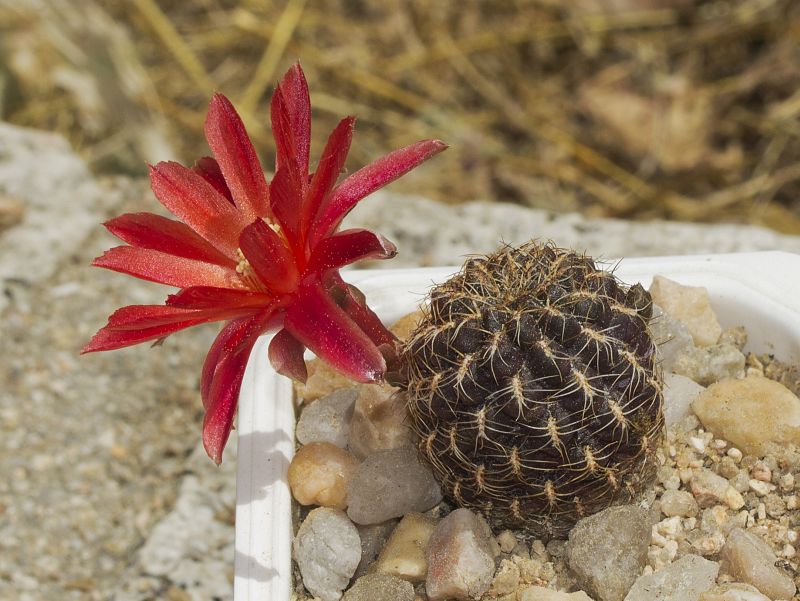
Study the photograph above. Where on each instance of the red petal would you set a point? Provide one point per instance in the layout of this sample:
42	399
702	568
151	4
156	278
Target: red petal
209	170
237	158
268	256
324	328
108	340
368	179
167	269
348	247
155	232
207	297
286	356
228	356
290	112
140	323
364	317
286	198
198	204
329	168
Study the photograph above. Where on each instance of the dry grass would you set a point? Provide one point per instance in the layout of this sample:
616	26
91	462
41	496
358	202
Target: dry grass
634	108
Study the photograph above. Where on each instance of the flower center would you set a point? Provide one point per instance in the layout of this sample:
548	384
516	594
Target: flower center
247	273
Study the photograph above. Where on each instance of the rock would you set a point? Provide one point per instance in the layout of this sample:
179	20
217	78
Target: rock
319	474
380	587
507	541
373	539
607	551
733	591
679	394
380	421
539	593
404	553
747	558
709	488
683	580
754	413
460	557
505	581
671	336
327	550
328	419
710	364
322	380
678	503
689	304
390	484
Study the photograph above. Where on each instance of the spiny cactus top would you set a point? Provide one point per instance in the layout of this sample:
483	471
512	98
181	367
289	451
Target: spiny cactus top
265	256
532	384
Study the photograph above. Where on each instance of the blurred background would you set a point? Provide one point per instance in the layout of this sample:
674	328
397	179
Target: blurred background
680	109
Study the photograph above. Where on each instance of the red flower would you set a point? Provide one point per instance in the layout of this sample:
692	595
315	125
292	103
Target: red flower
264	256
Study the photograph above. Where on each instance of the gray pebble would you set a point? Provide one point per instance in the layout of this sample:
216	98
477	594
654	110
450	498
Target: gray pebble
327	550
328	419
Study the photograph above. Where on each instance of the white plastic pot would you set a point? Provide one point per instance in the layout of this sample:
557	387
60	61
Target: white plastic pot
758	290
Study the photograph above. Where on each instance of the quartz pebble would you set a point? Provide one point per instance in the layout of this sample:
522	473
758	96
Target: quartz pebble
747	558
380	421
390	484
684	580
319	473
327	550
327	419
404	553
753	413
321	381
505	582
678	503
380	587
679	394
539	593
689	304
607	551
709	488
710	364
733	591
460	557
671	336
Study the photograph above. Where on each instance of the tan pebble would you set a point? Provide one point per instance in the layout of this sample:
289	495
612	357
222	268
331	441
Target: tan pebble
760	487
689	304
762	512
760	471
786	482
506	580
380	421
403	327
404	553
788	551
528	569
322	380
756	414
540	593
792	502
734	499
792	536
319	473
507	541
718	444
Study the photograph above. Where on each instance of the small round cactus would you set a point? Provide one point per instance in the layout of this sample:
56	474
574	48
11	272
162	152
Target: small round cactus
533	386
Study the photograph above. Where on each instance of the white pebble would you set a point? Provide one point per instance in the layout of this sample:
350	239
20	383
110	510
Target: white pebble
792	536
733	498
698	444
791	502
762	512
735	454
786	482
789	551
761	488
718	444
